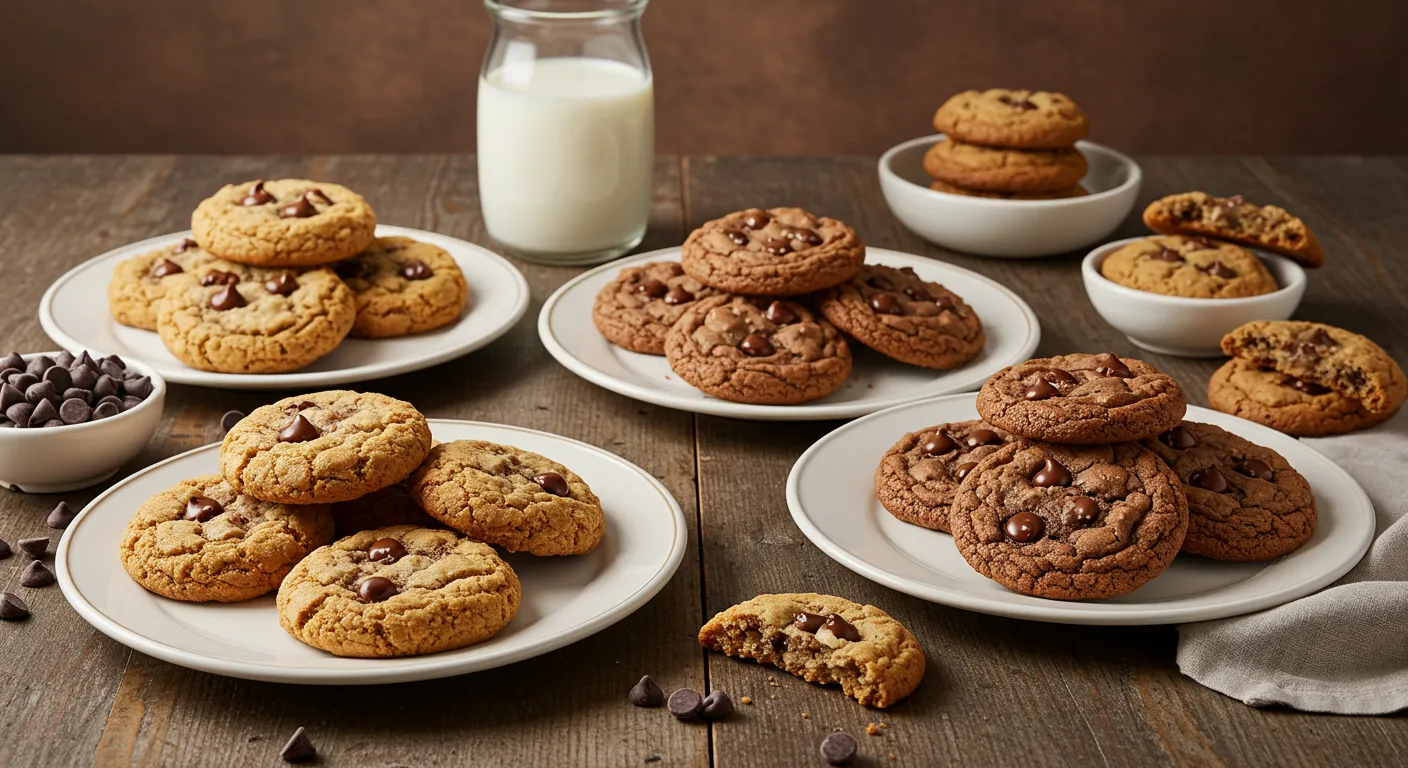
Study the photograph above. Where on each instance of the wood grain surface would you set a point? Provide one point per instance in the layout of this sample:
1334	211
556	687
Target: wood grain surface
998	691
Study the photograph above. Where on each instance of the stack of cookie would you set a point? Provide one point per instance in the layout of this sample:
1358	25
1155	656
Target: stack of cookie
369	533
1012	144
1082	481
278	274
756	309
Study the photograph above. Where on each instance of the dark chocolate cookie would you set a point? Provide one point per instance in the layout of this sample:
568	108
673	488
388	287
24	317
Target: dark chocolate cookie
635	311
777	252
900	315
918	477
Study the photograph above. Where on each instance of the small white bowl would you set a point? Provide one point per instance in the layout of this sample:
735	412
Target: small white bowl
58	459
1010	228
1184	327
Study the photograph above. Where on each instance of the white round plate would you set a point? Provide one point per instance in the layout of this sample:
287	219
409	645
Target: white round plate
564	598
74	312
876	382
831	492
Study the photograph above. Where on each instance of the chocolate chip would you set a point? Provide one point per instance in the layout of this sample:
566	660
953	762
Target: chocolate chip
779	643
1255	468
1051	474
982	437
961	471
717	706
737	236
219	277
1056	374
885	304
646	693
23	381
6	374
186	244
808	622
685	704
105	410
947	304
166	268
318	193
4	550
756	220
44	413
300	406
298	430
257	195
9	396
36	575
53	423
757	345
1022	104
808	236
112	400
106	386
1110	365
1234	201
678	295
937	444
1041	390
40	392
1309	387
653	289
84	377
375	589
386	551
12	608
281	284
880	282
781	313
777	246
13	360
75	411
1322	338
1218	269
59	377
841	628
140	387
1210	479
60	517
1024	527
298	209
415	269
19	413
34	548
85	359
838	748
1083	511
553	483
39	365
1178	438
918	293
299	747
229	420
202	509
227	298
1169	255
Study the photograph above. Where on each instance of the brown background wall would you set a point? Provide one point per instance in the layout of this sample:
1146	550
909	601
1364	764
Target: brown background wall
732	76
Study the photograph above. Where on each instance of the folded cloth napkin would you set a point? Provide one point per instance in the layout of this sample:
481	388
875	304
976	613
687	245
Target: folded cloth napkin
1343	649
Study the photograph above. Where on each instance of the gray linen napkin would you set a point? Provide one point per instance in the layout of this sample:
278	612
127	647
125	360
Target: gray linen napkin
1344	649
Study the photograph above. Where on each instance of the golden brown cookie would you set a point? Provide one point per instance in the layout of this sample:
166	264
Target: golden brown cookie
777	252
900	315
139	284
284	223
1004	170
635	311
1233	218
1343	361
1020	118
403	286
1191	267
919	476
943	186
1285	403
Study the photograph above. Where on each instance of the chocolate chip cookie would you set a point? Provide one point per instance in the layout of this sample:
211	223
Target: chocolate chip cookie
399	591
1331	357
1073	191
1285	403
403	286
899	314
757	351
1192	267
823	639
1004	170
1233	218
203	541
1082	399
284	223
918	477
324	448
392	505
138	284
1069	522
777	252
635	311
1245	502
252	320
516	499
1021	119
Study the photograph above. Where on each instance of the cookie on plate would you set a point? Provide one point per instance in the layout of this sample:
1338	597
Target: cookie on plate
1070	522
138	284
777	252
324	448
1334	358
1082	399
516	499
1233	218
1004	170
202	541
1022	119
284	223
1285	403
392	505
1245	502
775	354
823	639
919	475
635	311
252	320
399	591
943	186
403	286
899	314
1192	267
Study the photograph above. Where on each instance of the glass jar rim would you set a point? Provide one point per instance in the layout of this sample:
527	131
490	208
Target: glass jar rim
510	9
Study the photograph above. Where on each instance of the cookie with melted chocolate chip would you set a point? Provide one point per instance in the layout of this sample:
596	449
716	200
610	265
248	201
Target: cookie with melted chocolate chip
1234	218
403	286
919	475
900	315
774	252
1017	118
1191	267
1333	358
1285	403
284	223
635	310
139	284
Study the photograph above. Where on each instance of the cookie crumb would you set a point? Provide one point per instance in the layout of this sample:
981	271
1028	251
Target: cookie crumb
806	716
872	730
892	755
747	699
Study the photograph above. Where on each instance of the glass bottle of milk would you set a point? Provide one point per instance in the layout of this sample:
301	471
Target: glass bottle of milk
566	129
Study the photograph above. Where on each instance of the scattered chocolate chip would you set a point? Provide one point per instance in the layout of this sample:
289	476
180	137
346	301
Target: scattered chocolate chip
202	509
885	304
5	551
1178	438
299	747
1255	468
1210	479
318	193
961	471
281	284
34	548
374	589
1169	255
841	628
40	391
60	517
738	237
257	195
36	575
75	411
757	345
838	748
227	298
808	622
1309	387
982	437
59	377
756	220
12	608
1083	511
646	693
553	483
937	444
653	289
299	430
229	420
717	706
780	313
777	246
386	551
186	244
685	704
1110	365
1041	390
105	411
1218	269
298	209
1051	474
19	413
678	295
1024	527
415	269
166	268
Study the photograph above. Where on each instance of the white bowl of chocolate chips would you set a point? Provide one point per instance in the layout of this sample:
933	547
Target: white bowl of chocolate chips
70	422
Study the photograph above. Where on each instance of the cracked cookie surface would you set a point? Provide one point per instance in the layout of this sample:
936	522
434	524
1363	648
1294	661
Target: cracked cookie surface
900	315
1285	403
1001	117
919	476
139	284
398	591
635	310
325	447
777	252
202	541
1192	267
1004	170
403	286
284	223
1345	362
1233	218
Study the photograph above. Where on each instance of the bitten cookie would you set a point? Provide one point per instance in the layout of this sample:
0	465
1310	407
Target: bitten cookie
324	448
1245	502
900	315
1285	403
918	477
1082	400
507	496
1192	267
943	186
1022	119
1334	358
202	541
398	591
635	311
403	286
1070	523
777	252
284	223
1233	218
823	639
1004	170
139	284
776	354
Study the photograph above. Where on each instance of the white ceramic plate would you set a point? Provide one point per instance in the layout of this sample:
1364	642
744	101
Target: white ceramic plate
564	598
74	312
876	382
831	493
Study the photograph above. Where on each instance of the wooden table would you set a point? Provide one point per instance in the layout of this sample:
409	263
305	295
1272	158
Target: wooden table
998	691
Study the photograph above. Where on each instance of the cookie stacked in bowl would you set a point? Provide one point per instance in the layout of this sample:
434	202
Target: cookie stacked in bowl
1012	144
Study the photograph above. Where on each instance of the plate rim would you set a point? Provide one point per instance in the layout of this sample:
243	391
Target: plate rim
715	407
430	666
1066	612
261	381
